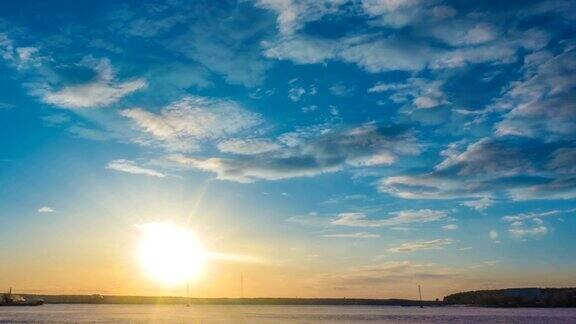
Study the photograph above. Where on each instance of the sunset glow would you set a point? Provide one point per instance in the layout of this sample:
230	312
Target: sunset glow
170	254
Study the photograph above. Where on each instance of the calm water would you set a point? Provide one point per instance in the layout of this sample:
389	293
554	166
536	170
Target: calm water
278	314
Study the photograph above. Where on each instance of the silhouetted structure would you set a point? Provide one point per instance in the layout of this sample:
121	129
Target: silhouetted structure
8	299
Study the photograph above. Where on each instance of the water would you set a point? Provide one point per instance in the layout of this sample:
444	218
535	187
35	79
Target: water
279	314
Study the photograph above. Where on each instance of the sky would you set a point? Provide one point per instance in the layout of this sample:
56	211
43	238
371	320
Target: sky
343	148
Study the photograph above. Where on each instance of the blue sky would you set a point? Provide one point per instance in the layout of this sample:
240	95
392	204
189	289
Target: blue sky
399	139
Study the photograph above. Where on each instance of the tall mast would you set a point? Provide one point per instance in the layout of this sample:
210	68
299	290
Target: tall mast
420	293
187	294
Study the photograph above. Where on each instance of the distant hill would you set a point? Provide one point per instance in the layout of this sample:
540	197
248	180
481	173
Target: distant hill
516	297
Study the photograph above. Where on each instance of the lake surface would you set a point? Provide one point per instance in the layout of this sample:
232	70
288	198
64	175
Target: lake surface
279	314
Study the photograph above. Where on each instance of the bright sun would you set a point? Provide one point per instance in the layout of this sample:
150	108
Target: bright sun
169	253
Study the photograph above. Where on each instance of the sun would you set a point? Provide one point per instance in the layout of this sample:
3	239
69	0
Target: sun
169	253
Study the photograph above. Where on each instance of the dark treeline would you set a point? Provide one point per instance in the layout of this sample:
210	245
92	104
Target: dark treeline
516	297
100	299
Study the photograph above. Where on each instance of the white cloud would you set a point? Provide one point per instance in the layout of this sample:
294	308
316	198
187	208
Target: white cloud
375	53
383	87
394	13
341	90
422	93
296	93
45	209
422	245
480	204
462	33
133	168
6	47
531	225
301	49
294	14
309	109
370	53
379	7
26	54
359	235
493	234
480	33
521	231
183	124
102	91
19	57
385	54
399	218
450	227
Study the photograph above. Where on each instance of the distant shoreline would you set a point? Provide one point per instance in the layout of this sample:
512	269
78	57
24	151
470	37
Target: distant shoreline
174	300
511	297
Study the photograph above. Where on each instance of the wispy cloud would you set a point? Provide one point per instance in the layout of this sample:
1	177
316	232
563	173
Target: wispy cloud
387	272
489	263
399	218
422	245
529	216
6	106
133	168
450	227
359	235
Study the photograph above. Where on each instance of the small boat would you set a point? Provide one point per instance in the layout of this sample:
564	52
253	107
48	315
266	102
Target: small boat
8	299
